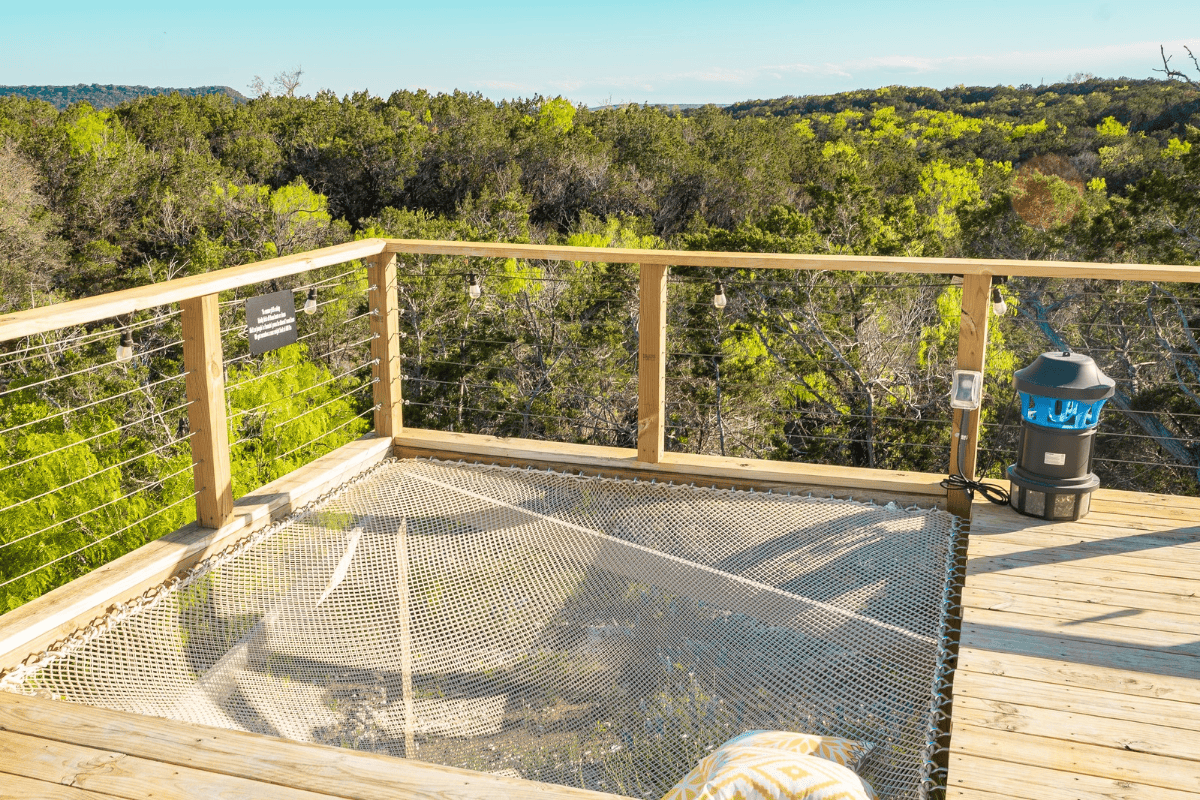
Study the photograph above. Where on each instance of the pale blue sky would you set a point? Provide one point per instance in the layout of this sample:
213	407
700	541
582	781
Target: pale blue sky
684	52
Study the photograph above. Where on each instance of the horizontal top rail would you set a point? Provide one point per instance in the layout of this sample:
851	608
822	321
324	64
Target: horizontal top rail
106	306
702	258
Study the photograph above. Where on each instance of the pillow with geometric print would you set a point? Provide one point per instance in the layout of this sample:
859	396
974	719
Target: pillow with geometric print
742	772
847	752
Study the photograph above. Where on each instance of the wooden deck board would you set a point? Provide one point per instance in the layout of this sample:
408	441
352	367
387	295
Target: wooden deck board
1079	663
118	754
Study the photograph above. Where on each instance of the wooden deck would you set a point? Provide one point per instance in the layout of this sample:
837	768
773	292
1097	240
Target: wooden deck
1079	671
61	751
1079	667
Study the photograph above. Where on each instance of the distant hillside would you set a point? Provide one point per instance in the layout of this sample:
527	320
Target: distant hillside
109	95
1143	105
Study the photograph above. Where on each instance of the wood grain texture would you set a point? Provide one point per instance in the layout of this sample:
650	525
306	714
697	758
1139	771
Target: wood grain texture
1116	675
37	624
385	347
697	258
129	301
205	365
1167	774
982	778
269	762
918	487
652	362
15	787
115	773
1079	667
1080	726
1059	695
973	322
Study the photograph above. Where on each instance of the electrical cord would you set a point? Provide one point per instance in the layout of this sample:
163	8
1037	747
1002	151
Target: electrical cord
996	494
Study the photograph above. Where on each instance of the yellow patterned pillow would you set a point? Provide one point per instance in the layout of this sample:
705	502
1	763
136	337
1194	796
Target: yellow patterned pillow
846	752
767	773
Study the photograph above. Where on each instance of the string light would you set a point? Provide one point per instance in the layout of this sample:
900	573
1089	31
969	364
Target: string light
310	303
125	348
473	287
719	298
181	430
999	307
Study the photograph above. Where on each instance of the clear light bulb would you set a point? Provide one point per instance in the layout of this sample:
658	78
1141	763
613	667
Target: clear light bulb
310	303
125	348
473	287
719	298
999	307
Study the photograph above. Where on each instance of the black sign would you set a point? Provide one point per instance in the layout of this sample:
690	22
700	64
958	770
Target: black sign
271	321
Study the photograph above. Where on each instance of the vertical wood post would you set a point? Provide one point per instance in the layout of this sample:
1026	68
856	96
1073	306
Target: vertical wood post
652	361
385	347
972	348
205	386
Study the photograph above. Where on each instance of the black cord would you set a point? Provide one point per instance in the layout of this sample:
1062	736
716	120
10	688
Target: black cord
997	494
991	491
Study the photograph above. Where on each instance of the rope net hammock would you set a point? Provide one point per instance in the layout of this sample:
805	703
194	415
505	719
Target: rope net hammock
585	631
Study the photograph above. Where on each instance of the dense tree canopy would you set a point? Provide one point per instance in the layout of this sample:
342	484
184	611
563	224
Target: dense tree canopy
842	368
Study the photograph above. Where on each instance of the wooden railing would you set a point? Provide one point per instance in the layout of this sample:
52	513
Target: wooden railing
197	296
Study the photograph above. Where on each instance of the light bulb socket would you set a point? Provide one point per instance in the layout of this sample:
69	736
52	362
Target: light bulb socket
999	307
719	298
125	348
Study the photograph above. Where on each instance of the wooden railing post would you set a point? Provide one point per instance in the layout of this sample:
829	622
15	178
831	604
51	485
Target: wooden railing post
205	386
972	348
385	347
652	361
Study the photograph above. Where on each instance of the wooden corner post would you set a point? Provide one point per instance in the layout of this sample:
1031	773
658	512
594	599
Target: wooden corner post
205	386
385	347
652	361
972	349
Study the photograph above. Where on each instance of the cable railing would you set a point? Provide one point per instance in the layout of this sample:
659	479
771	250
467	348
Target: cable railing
498	347
107	436
91	461
117	410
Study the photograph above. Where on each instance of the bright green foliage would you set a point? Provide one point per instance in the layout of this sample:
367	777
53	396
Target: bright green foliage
949	188
286	410
557	115
1022	131
1111	128
90	133
1176	148
108	509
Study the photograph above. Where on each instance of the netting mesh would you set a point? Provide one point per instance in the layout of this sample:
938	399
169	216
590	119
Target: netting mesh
583	631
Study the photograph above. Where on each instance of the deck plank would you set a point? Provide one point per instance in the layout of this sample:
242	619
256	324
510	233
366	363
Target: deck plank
120	775
1020	750
15	787
1075	612
266	760
1063	696
982	778
1079	663
1081	586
